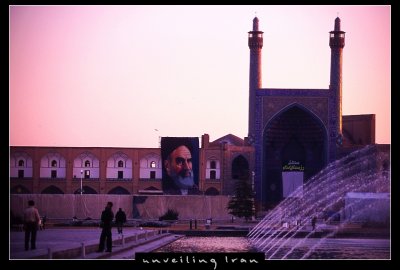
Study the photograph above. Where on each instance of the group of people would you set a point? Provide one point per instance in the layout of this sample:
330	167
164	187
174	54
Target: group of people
178	179
32	223
107	217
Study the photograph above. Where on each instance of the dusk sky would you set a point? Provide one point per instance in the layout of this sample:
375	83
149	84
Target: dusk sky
122	76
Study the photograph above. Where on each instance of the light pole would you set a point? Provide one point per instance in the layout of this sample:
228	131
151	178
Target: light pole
81	180
159	137
252	180
253	194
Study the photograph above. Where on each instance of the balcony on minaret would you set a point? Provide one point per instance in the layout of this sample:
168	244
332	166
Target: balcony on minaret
255	36
336	37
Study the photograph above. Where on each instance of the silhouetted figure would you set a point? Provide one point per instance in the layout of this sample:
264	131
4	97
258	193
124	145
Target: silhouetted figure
31	224
44	219
120	219
313	222
106	224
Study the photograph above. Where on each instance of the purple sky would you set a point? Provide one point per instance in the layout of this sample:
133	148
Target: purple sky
121	76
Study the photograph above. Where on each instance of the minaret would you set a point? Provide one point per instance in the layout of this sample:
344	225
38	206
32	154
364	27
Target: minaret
255	45
336	42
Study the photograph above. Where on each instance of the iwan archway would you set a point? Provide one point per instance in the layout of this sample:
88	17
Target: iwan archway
294	149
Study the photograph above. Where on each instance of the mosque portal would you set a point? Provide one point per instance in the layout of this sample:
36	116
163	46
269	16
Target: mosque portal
294	149
295	132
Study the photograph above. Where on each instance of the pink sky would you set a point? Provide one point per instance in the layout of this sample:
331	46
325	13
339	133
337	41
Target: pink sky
121	76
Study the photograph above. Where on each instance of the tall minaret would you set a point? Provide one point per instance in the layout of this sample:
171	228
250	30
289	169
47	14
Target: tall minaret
336	42
255	45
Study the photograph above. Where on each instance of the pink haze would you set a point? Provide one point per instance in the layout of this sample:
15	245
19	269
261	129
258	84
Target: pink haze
124	75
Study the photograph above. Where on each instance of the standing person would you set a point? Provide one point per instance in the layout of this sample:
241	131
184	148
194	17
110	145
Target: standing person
44	219
120	219
31	224
313	222
106	223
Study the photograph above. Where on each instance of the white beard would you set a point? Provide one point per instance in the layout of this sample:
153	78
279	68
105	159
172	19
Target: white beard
183	182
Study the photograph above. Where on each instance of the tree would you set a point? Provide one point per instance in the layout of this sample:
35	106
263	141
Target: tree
242	203
169	215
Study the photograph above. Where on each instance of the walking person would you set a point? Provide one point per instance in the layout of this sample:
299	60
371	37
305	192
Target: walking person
120	219
31	224
107	217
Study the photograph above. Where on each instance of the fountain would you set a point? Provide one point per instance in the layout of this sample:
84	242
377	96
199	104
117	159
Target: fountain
288	232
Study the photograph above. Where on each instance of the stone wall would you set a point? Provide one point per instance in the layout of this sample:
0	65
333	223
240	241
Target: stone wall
195	207
366	207
66	206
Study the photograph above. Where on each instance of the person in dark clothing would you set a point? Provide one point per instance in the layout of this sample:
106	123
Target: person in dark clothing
313	222
31	224
120	219
44	219
107	217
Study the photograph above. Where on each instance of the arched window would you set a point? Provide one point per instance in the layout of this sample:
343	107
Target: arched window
150	166
213	169
211	191
86	190
19	189
120	164
240	168
213	174
213	164
52	190
21	163
87	163
53	163
118	190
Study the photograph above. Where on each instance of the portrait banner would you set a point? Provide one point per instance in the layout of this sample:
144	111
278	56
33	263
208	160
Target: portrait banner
180	160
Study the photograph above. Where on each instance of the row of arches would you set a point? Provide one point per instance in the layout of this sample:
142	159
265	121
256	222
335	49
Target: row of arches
118	166
87	165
